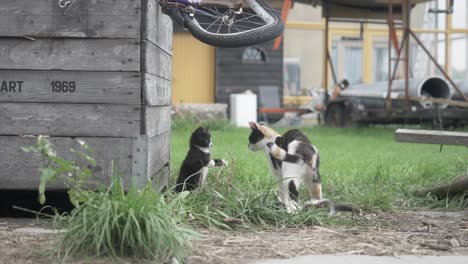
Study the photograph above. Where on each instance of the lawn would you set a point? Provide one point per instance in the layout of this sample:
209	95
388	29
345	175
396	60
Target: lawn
361	166
364	167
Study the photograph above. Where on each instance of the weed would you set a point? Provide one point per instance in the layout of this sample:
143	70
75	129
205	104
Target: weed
111	220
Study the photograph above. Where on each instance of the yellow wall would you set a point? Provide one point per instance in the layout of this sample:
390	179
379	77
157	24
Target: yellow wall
193	70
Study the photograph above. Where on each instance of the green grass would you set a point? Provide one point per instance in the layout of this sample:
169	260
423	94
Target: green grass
138	224
111	221
361	166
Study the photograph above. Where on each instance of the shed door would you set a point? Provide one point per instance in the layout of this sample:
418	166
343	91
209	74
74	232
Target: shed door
193	70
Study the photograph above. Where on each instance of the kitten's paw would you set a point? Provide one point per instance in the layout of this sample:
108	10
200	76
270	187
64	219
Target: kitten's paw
212	163
224	163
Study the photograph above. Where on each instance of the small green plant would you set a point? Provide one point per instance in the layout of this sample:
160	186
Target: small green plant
111	220
67	172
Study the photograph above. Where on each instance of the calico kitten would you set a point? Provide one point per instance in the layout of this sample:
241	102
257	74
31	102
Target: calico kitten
293	160
194	169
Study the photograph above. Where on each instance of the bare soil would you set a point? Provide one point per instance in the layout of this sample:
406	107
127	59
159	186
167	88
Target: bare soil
393	234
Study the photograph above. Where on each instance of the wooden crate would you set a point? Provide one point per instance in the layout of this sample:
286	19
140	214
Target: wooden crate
95	70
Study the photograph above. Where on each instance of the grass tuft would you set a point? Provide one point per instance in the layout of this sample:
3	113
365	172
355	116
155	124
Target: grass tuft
137	224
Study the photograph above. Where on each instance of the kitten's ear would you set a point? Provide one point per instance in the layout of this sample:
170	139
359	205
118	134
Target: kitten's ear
206	129
253	125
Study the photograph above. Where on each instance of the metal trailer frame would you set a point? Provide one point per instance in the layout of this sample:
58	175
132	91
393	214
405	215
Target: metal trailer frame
404	25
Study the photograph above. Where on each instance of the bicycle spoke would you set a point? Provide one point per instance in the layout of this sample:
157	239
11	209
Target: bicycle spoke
220	20
213	23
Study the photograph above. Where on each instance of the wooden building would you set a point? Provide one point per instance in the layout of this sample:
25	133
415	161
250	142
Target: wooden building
95	70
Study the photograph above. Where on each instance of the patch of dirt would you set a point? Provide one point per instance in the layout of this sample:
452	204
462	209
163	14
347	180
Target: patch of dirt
404	233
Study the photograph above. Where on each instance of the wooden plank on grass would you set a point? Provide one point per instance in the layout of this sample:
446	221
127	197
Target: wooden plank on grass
70	54
19	170
71	87
156	90
156	26
431	137
69	119
82	18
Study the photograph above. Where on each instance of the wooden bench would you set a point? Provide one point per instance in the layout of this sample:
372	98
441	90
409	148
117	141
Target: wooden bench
457	185
431	137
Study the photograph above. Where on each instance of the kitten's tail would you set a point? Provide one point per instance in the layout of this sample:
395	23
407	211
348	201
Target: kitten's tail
334	207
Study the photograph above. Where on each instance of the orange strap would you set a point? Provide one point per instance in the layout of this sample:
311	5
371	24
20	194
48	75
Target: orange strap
282	110
284	16
394	37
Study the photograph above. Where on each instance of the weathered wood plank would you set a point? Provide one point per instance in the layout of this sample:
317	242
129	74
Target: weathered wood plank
159	152
157	120
155	60
150	156
19	170
72	87
161	179
69	119
70	54
431	137
156	26
156	90
83	18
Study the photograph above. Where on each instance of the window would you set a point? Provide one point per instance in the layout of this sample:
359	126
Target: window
253	55
346	56
353	64
459	56
380	64
459	18
292	76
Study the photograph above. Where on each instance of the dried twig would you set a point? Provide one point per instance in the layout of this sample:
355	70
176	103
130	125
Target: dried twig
229	220
439	247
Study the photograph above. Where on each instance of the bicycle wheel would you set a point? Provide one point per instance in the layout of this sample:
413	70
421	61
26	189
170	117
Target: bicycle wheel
233	23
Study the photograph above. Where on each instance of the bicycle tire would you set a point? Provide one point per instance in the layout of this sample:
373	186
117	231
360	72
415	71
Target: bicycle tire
233	40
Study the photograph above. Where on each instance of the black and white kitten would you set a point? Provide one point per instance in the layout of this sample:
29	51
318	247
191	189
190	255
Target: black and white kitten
194	169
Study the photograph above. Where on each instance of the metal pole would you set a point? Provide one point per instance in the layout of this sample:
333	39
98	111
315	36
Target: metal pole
397	60
406	25
332	69
390	79
326	52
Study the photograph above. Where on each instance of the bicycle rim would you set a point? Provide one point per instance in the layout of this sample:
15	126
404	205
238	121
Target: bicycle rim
221	21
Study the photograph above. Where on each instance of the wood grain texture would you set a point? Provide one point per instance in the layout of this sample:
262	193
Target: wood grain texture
69	119
161	179
155	60
150	156
70	54
156	90
156	26
431	137
19	170
90	87
82	18
157	120
159	152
